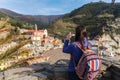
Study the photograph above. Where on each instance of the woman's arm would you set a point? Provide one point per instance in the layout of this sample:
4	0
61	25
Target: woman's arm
67	48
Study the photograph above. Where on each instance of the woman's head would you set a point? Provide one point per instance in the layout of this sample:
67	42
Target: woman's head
79	33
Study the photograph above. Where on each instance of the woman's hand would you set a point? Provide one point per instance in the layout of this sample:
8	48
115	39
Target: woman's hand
70	35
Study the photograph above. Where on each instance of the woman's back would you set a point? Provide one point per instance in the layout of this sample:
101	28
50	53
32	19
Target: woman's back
75	53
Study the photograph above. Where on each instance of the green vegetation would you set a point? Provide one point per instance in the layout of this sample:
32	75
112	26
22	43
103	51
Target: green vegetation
20	24
3	15
8	39
61	28
10	52
114	47
117	31
14	22
13	53
92	15
11	28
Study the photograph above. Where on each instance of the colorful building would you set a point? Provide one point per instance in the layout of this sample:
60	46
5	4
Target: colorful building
35	34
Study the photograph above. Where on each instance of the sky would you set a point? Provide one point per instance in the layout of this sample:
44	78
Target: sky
44	7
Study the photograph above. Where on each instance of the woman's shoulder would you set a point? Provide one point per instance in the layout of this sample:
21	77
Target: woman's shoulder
74	43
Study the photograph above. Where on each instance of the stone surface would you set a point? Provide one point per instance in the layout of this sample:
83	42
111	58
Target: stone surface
103	67
56	55
40	76
58	70
61	70
37	67
25	78
49	68
107	74
49	75
14	73
1	76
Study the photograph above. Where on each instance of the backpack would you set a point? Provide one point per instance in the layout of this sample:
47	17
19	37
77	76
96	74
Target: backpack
89	59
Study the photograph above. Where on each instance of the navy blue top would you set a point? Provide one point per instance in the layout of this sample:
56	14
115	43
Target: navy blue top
75	51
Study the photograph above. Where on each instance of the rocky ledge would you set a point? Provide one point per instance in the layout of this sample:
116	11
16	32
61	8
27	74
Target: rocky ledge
41	71
57	71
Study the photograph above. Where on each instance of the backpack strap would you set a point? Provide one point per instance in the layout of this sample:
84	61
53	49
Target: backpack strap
89	55
87	50
79	46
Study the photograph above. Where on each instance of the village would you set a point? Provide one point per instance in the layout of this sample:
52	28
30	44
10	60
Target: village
41	43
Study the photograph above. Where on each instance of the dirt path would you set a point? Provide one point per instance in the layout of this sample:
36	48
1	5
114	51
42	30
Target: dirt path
55	55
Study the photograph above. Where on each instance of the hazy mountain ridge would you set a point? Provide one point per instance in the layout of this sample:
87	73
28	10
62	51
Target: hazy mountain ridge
41	20
9	12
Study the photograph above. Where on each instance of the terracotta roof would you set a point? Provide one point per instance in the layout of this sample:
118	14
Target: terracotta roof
34	31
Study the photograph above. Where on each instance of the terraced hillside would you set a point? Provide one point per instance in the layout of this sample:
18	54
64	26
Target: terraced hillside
93	15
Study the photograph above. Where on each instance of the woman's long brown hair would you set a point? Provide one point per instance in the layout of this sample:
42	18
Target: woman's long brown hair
79	36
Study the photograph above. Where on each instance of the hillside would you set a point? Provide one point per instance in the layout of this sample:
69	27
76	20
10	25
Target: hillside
41	20
93	15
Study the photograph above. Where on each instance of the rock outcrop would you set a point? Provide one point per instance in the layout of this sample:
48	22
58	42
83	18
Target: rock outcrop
42	71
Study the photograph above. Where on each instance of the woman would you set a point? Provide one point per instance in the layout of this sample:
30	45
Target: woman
74	51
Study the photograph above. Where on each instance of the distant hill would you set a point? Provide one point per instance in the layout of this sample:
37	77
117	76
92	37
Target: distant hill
41	20
9	13
93	15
